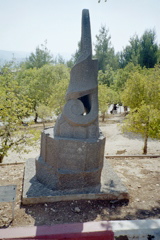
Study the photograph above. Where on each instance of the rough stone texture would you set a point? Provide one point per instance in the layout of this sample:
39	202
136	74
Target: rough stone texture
67	163
110	188
72	152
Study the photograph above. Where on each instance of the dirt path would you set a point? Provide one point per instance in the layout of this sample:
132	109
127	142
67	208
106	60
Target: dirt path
116	142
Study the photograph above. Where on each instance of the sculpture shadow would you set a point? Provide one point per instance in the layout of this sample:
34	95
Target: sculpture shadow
144	214
74	211
137	136
133	136
81	211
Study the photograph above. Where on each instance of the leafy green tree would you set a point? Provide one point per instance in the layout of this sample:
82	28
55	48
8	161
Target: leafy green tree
106	97
38	84
41	57
14	107
148	49
57	99
104	52
142	95
144	120
44	112
122	75
106	77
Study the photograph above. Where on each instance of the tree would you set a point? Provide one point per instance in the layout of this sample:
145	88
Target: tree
44	112
142	95
38	59
106	97
104	52
143	51
59	59
57	100
74	56
14	107
158	55
131	53
38	84
121	76
106	77
148	49
100	1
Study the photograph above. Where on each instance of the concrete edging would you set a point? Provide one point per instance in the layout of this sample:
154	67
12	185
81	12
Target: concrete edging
109	230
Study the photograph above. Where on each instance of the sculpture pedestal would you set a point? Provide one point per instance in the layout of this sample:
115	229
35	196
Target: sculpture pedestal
110	188
67	163
70	169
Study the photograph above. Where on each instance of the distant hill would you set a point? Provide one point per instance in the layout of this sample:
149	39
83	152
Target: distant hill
6	56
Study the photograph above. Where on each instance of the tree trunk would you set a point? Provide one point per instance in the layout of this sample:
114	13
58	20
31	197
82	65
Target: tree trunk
125	109
103	116
1	158
145	145
36	117
43	124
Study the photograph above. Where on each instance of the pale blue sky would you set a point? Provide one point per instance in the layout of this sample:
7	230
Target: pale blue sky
25	24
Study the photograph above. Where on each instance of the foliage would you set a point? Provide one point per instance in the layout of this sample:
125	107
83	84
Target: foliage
106	77
143	51
44	112
148	49
59	59
77	53
57	99
100	1
104	52
122	75
106	97
142	95
74	57
143	87
39	83
40	58
131	53
14	106
144	120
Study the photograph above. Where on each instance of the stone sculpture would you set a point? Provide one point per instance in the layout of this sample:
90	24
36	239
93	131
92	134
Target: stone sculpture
72	152
81	108
70	165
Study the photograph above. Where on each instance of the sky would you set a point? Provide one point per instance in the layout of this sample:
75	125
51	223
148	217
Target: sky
26	24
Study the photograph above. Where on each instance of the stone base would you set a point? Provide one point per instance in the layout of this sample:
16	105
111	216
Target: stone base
69	163
111	188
